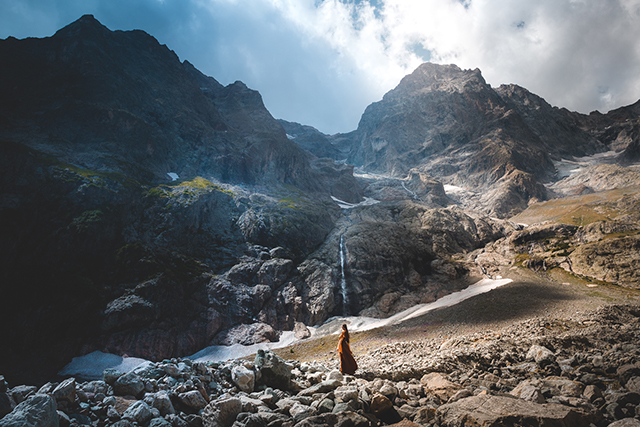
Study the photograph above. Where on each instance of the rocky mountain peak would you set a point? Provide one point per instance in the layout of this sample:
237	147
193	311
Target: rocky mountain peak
430	77
86	26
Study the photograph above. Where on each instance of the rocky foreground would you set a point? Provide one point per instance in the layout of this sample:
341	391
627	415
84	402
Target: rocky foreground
578	371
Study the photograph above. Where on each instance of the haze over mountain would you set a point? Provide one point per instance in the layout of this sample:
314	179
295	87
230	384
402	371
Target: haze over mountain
148	210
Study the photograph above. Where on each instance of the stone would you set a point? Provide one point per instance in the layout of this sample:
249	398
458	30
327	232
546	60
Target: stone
110	376
193	399
380	403
532	394
244	378
460	395
20	393
299	412
626	422
128	384
325	405
335	375
274	371
346	393
486	410
541	355
390	391
162	402
63	419
300	331
37	411
65	391
6	404
139	412
591	393
221	412
159	422
440	386
633	384
626	372
322	387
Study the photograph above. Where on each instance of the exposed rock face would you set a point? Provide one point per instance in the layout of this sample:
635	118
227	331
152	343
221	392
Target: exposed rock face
312	140
396	254
449	123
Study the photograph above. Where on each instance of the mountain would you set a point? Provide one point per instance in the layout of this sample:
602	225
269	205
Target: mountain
147	210
499	144
129	179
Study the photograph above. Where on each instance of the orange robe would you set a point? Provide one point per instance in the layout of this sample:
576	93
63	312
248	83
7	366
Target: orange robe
348	364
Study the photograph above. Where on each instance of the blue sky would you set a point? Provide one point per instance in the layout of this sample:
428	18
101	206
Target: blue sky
321	62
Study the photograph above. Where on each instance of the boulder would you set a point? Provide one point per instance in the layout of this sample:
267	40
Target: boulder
541	355
626	422
346	393
486	410
128	384
37	411
65	391
221	412
193	399
244	378
139	412
247	334
274	371
380	403
439	385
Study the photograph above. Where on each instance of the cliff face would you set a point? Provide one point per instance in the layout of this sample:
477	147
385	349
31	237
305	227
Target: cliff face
498	143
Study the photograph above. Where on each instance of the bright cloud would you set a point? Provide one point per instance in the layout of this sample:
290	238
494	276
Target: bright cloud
321	62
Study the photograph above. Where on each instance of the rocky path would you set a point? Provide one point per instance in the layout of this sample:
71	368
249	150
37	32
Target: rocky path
572	361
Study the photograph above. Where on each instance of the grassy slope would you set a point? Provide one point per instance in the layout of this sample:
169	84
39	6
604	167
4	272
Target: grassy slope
576	210
555	294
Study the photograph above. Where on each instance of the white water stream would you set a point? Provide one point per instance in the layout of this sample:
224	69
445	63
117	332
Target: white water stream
92	365
343	280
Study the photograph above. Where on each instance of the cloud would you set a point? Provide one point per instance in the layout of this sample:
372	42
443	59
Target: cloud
321	62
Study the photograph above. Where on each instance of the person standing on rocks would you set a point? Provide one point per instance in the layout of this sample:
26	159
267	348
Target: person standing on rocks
348	364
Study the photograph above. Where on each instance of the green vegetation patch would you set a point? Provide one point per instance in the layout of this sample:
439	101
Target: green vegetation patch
88	219
577	210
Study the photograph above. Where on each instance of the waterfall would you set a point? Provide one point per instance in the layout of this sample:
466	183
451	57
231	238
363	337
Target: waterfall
343	280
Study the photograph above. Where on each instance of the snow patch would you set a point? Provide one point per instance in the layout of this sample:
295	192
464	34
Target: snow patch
219	353
453	189
174	176
368	201
90	366
333	325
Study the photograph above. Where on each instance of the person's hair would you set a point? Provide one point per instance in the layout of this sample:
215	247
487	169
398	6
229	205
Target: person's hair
346	332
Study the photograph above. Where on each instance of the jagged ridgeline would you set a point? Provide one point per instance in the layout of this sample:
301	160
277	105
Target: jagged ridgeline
149	210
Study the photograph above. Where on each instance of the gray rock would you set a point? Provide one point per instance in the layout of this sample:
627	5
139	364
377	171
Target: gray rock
532	394
21	392
221	412
128	384
159	422
486	410
325	405
633	384
110	376
193	399
63	419
6	404
299	412
37	411
591	393
346	393
274	371
65	391
244	378
626	422
541	355
139	412
322	387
